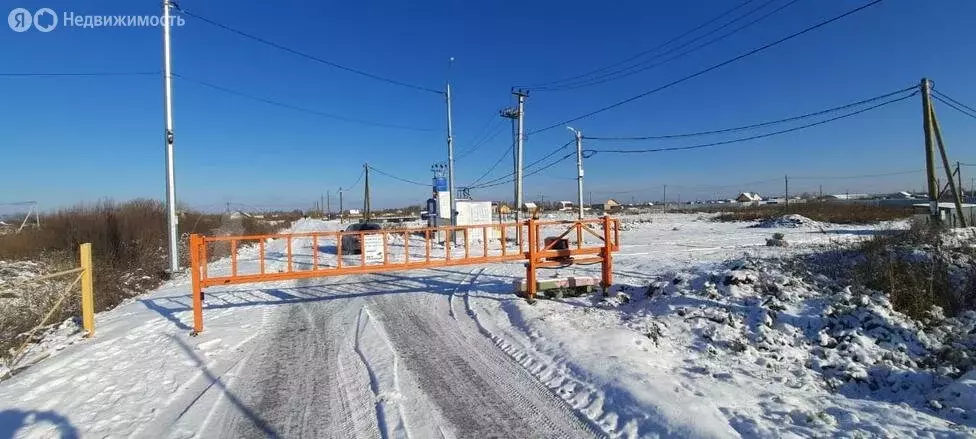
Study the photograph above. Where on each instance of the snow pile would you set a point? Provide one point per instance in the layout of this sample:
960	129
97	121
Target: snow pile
813	335
791	221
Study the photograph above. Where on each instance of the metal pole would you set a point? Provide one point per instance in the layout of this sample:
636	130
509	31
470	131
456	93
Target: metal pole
520	139
174	263
929	149
450	159
579	169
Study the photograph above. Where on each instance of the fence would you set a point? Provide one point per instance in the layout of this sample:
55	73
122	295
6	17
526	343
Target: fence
85	276
321	254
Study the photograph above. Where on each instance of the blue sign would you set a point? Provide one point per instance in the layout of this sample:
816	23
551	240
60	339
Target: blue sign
440	184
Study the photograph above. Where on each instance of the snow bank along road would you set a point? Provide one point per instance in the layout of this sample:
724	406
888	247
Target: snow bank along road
431	353
386	355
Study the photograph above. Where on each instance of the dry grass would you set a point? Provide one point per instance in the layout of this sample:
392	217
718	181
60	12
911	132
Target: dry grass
129	246
918	271
837	213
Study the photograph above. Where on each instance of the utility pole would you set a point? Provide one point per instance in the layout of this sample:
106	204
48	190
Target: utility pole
929	149
956	191
519	143
174	262
787	178
366	205
821	192
962	189
665	198
579	169
450	150
340	205
328	204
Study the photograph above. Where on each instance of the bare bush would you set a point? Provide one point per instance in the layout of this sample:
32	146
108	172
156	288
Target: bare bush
129	243
838	213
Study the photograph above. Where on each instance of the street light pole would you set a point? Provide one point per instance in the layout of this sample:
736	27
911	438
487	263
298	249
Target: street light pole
174	263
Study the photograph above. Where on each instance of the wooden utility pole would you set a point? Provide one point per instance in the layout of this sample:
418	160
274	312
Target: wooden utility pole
962	189
929	149
340	204
787	178
366	195
328	204
956	198
665	198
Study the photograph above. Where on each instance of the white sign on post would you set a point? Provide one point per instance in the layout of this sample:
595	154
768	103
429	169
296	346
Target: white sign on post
373	248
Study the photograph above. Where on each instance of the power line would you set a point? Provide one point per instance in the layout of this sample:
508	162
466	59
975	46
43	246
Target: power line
297	108
954	107
642	53
757	125
496	131
644	66
759	136
709	69
943	95
492	168
306	55
560	160
74	74
512	174
399	178
361	174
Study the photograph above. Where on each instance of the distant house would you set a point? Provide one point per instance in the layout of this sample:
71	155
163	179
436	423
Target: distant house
566	205
748	197
529	207
503	209
611	205
847	197
354	211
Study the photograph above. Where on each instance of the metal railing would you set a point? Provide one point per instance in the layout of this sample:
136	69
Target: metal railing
340	253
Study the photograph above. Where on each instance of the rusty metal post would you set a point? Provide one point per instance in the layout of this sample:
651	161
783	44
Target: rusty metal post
195	282
530	280
607	265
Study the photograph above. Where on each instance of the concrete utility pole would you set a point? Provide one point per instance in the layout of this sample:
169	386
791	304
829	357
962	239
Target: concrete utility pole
519	142
929	149
340	205
579	169
450	151
174	262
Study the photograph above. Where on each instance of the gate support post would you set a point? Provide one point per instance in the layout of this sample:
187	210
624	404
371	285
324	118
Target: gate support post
530	280
195	281
607	265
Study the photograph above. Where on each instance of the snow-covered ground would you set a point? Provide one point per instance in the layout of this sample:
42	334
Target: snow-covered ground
452	353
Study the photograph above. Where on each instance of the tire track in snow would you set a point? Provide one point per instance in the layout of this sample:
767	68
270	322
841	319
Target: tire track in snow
378	356
479	389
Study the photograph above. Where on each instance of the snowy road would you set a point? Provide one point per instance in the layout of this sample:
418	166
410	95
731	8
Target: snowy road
408	362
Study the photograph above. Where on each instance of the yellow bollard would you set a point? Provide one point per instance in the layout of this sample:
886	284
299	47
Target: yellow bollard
87	290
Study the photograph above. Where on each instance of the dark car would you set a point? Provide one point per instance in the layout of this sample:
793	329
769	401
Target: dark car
350	242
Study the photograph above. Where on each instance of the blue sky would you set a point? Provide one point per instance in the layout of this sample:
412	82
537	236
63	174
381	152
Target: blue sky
70	140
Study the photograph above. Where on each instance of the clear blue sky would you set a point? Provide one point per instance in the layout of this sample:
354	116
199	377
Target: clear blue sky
70	140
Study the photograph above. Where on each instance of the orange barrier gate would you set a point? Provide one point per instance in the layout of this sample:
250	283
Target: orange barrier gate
375	251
